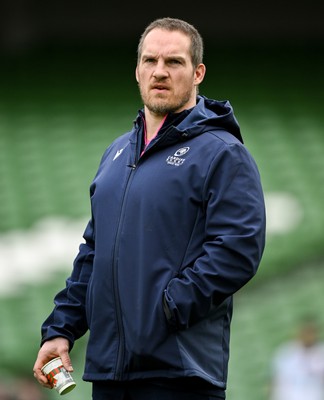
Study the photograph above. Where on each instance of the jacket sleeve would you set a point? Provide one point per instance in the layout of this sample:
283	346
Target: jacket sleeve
68	318
233	244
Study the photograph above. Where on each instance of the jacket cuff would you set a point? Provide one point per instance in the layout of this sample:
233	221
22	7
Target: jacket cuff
52	334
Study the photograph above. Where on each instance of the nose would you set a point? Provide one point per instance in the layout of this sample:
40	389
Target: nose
160	70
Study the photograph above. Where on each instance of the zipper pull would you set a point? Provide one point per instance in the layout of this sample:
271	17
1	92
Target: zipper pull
133	166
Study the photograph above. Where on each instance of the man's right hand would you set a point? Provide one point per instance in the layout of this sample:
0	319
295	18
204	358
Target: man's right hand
57	347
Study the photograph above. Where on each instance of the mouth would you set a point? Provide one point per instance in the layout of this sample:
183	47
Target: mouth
159	88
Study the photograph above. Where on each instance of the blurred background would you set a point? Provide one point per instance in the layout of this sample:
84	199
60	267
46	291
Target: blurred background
67	89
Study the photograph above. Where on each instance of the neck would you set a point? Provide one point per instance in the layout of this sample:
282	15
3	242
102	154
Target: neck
153	124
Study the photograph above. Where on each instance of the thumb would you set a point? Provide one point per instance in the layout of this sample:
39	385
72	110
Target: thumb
66	360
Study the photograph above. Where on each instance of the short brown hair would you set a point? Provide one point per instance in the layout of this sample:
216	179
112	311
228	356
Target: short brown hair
175	24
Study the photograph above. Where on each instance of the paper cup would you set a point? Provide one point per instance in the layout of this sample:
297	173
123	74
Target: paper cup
58	376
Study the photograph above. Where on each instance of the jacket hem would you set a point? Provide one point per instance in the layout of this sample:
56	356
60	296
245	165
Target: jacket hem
93	377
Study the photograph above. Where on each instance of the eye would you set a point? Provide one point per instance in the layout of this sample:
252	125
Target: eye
174	61
149	60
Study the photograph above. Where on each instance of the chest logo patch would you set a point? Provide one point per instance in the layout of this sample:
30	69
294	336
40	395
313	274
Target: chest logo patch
118	153
177	159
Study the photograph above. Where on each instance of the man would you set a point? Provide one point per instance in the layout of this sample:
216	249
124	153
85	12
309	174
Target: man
177	227
297	367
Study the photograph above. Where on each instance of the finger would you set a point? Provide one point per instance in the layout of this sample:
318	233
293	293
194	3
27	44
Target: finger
41	378
66	360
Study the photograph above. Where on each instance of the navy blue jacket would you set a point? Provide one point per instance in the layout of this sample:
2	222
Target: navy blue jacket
174	233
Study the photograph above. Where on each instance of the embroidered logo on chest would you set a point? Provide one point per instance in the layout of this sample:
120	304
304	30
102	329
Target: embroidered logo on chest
177	159
118	153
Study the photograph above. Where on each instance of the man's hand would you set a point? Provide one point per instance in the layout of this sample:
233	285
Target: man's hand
57	347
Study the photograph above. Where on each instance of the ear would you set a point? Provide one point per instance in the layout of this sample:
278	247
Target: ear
200	74
136	74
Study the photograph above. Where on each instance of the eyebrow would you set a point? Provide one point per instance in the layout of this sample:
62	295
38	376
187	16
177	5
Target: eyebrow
170	57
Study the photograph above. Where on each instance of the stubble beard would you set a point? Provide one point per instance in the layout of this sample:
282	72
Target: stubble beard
162	106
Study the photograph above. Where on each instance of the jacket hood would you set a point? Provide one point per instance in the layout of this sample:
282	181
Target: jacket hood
209	115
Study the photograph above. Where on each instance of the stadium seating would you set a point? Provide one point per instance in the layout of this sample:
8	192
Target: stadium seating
58	112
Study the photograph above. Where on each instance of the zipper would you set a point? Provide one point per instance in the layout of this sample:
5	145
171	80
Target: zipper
121	334
120	328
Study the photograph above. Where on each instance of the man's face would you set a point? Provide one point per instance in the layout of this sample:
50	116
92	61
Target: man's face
165	74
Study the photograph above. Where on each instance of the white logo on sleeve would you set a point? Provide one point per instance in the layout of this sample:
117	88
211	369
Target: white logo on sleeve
177	159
